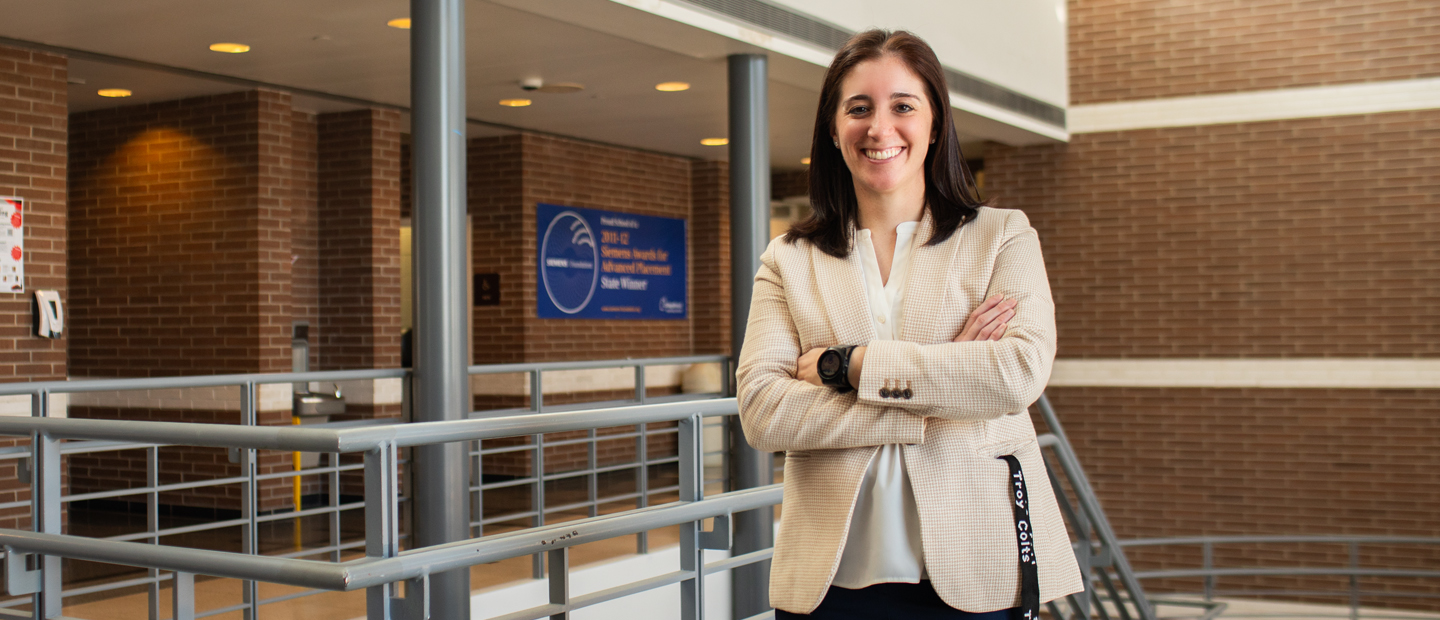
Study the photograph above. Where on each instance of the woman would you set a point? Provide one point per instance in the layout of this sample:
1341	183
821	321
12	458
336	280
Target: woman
896	338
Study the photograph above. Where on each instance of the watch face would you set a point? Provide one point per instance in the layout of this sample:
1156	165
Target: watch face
829	363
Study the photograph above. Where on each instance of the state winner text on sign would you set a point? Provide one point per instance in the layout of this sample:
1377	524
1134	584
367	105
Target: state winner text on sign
606	265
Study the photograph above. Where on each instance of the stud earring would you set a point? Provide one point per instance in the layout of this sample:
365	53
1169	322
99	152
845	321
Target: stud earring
837	144
932	140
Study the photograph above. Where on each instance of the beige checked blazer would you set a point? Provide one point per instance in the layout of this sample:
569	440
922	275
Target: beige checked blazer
968	407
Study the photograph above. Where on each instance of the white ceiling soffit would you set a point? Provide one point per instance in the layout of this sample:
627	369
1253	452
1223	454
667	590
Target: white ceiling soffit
339	54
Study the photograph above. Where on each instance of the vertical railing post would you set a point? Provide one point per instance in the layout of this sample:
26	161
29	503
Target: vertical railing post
152	522
749	234
559	560
45	508
642	481
537	499
1354	581
1207	551
692	489
182	596
249	498
381	527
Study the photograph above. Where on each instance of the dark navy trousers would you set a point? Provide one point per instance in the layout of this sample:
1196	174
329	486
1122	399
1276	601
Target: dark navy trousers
888	601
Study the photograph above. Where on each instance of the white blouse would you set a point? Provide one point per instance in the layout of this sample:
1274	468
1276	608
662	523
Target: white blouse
884	541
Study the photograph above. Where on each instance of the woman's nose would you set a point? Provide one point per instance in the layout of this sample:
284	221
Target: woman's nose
880	125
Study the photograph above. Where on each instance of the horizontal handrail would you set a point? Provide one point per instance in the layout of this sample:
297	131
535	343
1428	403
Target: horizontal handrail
167	383
1291	571
1304	538
116	384
497	369
367	572
302	439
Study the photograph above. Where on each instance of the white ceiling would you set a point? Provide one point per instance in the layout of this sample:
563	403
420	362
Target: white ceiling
343	48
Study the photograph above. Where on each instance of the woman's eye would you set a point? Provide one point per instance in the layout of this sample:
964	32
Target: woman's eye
859	109
904	107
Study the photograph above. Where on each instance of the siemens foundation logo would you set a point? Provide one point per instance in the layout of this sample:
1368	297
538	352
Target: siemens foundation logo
672	307
571	265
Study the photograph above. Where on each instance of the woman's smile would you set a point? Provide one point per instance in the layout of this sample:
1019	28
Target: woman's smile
883	155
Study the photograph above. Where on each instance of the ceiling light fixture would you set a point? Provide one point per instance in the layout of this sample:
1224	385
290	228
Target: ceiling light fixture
229	48
113	92
805	161
715	141
402	23
672	87
515	103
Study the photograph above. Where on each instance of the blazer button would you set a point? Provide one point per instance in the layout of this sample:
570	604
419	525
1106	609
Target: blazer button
885	391
907	393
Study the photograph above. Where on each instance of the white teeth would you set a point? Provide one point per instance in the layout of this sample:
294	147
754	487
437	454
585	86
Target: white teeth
882	155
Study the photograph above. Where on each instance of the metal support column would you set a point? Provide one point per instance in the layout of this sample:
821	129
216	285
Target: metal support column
749	234
441	390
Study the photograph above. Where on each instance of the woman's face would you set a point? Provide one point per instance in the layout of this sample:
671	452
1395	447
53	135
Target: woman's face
884	127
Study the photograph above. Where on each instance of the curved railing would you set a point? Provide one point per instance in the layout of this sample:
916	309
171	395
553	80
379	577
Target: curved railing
1353	571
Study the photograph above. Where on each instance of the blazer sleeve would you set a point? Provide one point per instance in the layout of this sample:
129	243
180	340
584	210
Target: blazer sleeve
978	380
780	412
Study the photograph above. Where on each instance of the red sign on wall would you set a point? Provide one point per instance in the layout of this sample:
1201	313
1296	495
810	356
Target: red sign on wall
12	245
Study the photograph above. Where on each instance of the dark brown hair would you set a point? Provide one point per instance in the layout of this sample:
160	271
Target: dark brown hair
950	192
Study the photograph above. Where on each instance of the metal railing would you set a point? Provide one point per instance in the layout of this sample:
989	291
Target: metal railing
121	436
1352	571
384	564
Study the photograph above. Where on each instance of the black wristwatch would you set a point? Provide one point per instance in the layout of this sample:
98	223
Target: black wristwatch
834	367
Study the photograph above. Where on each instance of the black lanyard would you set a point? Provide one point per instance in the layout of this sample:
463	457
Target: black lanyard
1029	608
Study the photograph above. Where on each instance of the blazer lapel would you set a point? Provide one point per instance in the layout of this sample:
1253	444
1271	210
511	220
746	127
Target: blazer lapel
926	286
842	291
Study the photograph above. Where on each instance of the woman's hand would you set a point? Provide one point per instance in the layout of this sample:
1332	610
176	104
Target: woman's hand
808	366
989	321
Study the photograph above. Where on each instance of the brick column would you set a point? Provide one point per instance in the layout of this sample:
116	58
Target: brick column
710	255
359	239
33	139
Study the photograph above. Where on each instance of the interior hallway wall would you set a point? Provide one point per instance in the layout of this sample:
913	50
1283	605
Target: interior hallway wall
33	139
1296	238
180	237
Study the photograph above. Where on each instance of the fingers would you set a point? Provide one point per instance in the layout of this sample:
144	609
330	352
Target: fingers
989	320
806	366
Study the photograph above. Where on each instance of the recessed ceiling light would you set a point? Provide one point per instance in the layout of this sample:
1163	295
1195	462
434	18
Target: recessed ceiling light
515	103
230	48
402	23
715	141
805	161
113	92
672	87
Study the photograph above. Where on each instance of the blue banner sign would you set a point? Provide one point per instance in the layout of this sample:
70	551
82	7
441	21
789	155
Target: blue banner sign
605	265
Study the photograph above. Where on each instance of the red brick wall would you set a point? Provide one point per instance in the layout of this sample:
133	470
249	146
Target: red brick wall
33	138
1216	462
305	229
32	166
359	224
789	183
1143	49
108	471
1292	238
1304	238
710	256
179	229
498	222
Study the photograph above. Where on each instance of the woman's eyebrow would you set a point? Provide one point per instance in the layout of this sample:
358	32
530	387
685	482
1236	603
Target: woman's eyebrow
902	95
